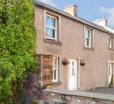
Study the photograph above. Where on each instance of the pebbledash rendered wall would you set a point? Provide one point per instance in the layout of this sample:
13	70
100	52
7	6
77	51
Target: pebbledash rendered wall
71	46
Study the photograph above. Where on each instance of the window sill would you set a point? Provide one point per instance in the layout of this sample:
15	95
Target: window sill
52	41
89	48
56	83
111	49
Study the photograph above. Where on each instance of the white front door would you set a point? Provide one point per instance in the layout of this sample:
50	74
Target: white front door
73	74
110	72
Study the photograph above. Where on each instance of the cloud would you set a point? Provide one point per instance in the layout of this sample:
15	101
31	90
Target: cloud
50	2
109	14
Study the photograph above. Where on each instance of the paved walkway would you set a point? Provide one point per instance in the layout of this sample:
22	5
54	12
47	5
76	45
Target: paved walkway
103	90
88	94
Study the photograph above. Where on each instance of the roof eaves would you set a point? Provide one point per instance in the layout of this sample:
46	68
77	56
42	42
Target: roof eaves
76	18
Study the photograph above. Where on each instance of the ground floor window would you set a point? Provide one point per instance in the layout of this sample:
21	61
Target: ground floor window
50	69
55	69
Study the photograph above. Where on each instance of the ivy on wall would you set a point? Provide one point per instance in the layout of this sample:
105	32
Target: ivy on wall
17	44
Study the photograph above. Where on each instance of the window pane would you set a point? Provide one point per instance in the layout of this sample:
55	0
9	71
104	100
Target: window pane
50	21
86	34
88	42
55	75
73	68
50	33
110	42
53	33
56	69
89	34
53	22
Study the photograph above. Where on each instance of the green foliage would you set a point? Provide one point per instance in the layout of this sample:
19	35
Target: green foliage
17	44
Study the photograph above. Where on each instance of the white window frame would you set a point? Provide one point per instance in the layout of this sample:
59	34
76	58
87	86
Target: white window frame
110	42
110	66
110	70
55	69
51	27
86	29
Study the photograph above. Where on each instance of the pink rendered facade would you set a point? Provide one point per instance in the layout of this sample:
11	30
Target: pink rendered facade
91	64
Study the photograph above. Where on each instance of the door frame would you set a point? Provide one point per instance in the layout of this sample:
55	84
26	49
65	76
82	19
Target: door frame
77	69
110	62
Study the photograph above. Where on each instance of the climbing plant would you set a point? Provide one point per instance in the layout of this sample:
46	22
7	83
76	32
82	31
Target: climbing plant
17	44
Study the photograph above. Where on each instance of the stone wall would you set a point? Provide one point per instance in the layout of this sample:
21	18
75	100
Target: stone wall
52	98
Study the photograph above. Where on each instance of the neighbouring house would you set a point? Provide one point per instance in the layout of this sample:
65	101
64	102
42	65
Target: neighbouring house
74	54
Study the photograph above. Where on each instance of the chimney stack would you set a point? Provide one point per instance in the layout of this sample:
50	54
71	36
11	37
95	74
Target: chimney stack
72	9
102	22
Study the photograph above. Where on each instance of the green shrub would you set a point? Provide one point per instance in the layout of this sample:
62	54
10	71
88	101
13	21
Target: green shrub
17	44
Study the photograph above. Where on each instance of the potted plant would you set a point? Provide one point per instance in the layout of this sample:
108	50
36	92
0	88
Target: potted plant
65	61
82	62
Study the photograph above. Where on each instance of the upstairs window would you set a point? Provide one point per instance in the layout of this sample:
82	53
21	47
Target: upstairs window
51	27
110	42
88	37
